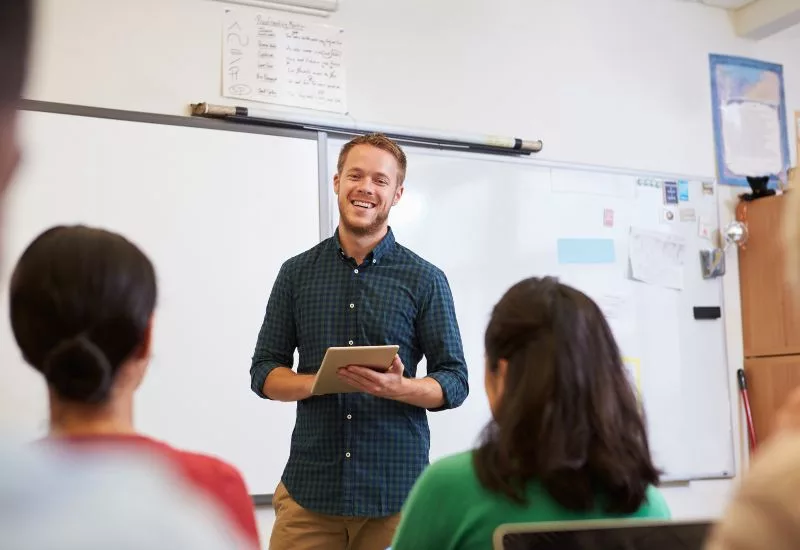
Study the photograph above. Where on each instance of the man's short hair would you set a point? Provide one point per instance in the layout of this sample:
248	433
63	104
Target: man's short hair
381	142
15	36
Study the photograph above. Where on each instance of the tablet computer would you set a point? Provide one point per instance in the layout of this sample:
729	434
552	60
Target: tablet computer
630	534
327	379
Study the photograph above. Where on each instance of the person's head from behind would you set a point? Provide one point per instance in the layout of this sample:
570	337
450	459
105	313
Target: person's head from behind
15	28
368	182
81	307
564	411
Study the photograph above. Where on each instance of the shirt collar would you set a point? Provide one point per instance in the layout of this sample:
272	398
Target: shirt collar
381	249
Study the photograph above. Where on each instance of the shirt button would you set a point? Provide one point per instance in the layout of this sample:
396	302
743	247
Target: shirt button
349	417
374	261
347	454
350	343
355	271
352	306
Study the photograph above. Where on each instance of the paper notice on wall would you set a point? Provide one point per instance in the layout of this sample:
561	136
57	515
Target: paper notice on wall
616	305
273	58
751	136
656	258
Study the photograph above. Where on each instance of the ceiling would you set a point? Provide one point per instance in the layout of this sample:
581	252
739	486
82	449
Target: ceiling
757	19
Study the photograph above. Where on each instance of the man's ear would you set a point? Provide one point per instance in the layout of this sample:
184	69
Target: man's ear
336	184
398	194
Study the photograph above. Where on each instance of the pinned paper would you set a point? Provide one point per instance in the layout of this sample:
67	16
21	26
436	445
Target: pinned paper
586	251
704	230
608	217
670	192
683	190
708	187
656	258
687	215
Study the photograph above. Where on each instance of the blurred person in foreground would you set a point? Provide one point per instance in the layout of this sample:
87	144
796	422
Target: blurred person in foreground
567	440
765	510
15	36
82	303
54	499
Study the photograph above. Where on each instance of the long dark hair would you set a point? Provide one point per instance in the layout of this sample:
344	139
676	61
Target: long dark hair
81	300
568	417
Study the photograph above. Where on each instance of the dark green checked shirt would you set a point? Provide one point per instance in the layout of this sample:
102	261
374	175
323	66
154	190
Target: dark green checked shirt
355	454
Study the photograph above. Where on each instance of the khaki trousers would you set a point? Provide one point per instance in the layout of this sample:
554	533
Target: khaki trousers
299	529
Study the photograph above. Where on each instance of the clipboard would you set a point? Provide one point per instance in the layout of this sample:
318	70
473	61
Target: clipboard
327	380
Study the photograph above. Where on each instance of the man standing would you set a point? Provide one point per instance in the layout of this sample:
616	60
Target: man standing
355	456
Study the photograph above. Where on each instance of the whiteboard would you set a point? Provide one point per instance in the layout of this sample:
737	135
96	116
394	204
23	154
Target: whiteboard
217	212
489	222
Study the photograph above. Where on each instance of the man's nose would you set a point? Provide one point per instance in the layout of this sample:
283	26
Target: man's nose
366	186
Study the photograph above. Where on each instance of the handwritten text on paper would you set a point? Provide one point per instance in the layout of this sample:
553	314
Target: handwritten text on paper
274	59
657	258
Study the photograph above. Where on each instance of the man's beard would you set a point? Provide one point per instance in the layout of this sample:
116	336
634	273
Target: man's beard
364	230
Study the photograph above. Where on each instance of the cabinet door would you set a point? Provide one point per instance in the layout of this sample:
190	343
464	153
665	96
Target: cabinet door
770	380
770	314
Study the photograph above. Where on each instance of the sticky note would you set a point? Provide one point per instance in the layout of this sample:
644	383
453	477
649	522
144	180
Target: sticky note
586	251
704	229
608	217
683	190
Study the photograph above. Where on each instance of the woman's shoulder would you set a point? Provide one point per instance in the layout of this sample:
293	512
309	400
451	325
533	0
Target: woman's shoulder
454	468
451	477
207	466
202	469
655	505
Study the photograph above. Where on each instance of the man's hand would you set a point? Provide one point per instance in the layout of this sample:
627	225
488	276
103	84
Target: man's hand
420	392
390	384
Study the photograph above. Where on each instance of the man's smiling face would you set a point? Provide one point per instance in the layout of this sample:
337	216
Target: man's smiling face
367	187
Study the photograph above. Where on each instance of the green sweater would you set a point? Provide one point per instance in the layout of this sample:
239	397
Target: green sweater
448	508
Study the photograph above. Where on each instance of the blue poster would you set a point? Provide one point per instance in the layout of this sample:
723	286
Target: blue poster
749	110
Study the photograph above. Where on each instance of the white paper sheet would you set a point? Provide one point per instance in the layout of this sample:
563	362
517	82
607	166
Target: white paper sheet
752	138
656	258
276	59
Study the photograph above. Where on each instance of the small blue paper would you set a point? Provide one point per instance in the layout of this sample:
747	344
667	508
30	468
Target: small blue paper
586	251
683	190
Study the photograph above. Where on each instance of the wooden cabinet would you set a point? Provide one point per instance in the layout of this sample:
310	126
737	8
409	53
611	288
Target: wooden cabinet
770	313
770	316
770	380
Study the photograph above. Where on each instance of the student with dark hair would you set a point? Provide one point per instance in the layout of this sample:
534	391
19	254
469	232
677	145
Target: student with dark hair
567	440
81	304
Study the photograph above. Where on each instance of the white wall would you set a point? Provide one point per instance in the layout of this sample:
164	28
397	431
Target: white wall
617	83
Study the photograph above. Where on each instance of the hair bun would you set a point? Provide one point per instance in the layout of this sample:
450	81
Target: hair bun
78	370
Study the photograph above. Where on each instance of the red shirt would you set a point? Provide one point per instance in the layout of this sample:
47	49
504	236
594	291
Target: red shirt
220	481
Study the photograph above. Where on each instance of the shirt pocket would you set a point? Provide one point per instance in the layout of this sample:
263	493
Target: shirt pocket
390	319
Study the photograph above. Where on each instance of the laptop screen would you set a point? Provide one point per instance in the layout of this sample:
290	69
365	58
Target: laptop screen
663	536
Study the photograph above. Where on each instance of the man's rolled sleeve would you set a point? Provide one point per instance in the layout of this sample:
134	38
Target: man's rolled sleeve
277	338
441	343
